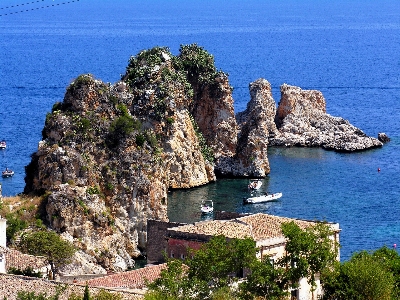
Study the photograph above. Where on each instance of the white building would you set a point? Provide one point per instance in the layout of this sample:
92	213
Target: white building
3	241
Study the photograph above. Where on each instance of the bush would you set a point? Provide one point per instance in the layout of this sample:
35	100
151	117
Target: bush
120	128
198	63
14	225
28	271
140	139
93	190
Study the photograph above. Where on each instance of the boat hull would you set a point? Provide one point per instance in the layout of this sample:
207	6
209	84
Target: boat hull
263	198
206	210
6	175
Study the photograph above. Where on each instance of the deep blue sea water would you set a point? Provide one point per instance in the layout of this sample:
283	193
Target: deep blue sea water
349	50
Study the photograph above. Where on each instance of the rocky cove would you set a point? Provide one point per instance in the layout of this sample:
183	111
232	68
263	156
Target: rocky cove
110	152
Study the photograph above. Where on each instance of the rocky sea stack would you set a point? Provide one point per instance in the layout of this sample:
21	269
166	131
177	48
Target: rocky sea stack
110	152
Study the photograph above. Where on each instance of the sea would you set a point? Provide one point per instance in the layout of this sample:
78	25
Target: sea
349	50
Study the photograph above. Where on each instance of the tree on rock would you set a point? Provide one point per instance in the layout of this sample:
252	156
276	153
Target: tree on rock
49	244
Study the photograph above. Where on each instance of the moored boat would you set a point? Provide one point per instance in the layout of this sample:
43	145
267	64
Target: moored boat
255	184
262	198
7	173
207	207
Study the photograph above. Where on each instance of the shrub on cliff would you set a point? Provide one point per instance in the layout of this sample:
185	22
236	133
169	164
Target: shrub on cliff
122	126
198	63
141	67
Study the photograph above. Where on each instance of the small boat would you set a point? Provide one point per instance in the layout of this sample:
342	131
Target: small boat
7	173
207	207
3	144
255	184
263	198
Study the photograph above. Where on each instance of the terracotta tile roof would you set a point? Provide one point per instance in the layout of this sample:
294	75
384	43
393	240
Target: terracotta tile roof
231	228
18	260
10	285
266	226
258	226
135	279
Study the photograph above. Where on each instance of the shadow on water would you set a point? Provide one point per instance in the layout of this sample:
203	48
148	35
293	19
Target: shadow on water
227	195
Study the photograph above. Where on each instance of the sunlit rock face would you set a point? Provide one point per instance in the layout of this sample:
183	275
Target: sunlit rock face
302	120
110	152
256	124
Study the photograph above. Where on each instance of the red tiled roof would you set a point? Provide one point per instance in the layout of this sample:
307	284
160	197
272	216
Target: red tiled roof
257	226
18	260
264	226
227	228
135	279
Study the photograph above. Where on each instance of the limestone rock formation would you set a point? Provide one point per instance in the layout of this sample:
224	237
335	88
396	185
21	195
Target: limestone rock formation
256	124
302	120
110	151
383	137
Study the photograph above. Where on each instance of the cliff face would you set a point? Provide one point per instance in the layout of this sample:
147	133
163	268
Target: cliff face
256	123
110	152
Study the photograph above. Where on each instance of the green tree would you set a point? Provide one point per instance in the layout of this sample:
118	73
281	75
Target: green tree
265	280
86	294
206	273
308	252
363	277
49	244
391	259
172	284
220	262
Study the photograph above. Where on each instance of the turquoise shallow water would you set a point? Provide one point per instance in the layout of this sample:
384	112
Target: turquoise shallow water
347	49
316	185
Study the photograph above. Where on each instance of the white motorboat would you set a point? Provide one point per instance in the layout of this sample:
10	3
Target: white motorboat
255	184
207	207
263	198
3	144
7	173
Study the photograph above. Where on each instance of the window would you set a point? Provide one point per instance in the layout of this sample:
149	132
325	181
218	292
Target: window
272	261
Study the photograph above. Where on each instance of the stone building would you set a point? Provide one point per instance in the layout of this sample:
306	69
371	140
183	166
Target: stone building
263	228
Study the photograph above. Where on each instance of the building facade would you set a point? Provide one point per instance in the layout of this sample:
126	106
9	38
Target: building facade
264	229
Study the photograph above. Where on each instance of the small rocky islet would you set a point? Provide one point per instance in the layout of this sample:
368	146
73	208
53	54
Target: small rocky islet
110	152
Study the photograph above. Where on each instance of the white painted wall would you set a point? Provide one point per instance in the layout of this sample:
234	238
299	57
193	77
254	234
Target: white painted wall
3	240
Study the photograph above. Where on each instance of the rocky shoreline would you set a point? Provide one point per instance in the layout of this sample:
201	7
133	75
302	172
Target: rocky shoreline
110	152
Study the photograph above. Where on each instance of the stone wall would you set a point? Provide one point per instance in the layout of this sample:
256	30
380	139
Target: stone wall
10	285
226	215
156	240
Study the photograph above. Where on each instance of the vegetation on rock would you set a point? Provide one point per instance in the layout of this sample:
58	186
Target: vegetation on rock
21	212
118	148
